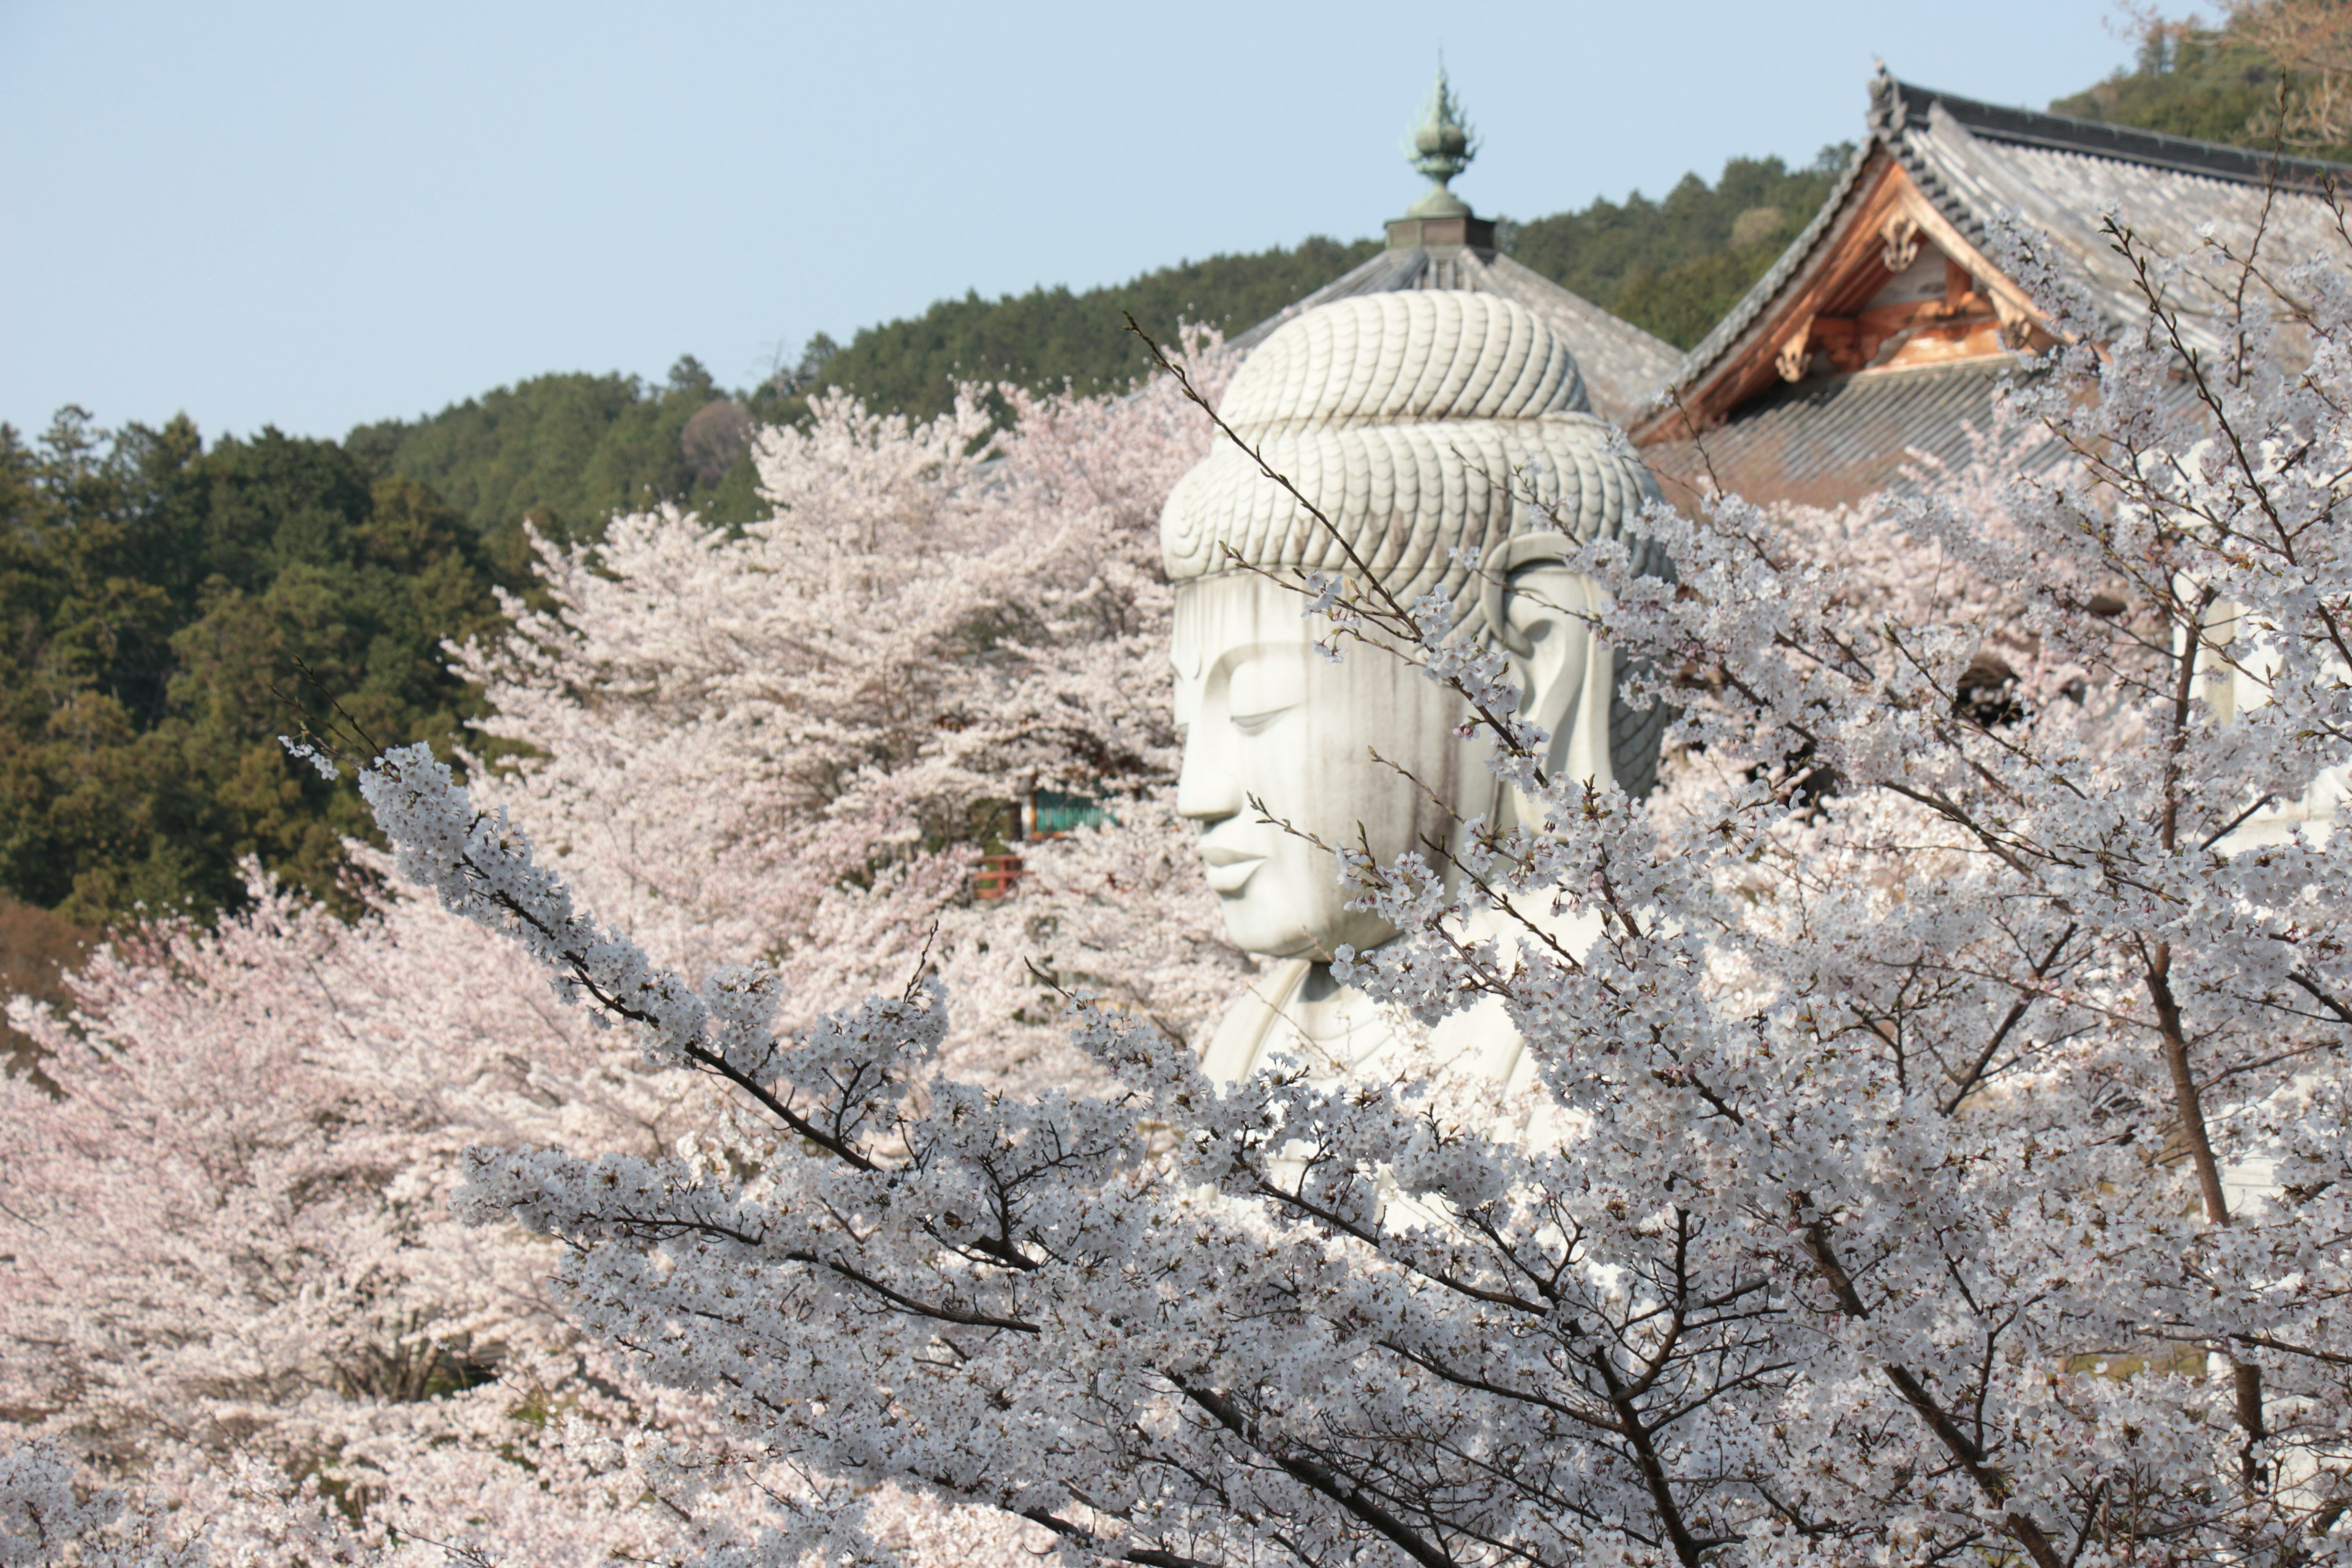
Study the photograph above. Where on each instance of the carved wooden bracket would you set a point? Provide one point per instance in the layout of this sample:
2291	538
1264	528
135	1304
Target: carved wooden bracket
1901	232
2016	322
1790	360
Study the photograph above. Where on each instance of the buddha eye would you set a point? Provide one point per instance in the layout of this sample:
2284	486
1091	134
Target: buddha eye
1264	687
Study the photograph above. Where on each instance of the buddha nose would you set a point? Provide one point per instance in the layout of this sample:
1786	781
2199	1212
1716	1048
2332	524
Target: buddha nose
1206	789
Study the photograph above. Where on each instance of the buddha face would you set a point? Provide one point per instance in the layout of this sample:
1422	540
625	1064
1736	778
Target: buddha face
1264	715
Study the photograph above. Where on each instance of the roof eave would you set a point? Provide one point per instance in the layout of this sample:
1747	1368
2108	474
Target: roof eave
1897	106
1792	271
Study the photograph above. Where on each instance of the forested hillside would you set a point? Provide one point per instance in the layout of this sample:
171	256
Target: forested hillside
1670	265
2274	71
568	449
1674	266
158	590
1048	336
156	593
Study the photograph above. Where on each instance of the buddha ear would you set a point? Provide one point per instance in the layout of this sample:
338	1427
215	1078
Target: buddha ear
1550	645
1541	614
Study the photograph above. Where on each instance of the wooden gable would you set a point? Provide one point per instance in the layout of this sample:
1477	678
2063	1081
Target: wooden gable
1890	284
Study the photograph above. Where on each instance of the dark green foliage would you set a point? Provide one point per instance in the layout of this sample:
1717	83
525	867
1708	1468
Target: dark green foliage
1674	266
1682	303
570	449
154	593
1050	337
2212	84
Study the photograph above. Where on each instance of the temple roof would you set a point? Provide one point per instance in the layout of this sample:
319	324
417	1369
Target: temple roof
1837	439
1441	244
1850	302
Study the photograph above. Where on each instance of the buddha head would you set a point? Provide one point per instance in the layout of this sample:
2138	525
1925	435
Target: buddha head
1434	429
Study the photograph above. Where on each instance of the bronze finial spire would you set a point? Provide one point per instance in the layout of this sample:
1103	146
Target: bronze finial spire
1442	146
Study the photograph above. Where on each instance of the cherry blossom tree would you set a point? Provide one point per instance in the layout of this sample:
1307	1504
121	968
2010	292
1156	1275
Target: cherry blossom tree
1948	1147
226	1239
1118	908
784	739
53	1511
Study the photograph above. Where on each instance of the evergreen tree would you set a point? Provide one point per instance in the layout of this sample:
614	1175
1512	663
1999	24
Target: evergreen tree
158	597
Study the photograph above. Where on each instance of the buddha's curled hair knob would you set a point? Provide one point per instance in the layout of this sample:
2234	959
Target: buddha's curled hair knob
1419	422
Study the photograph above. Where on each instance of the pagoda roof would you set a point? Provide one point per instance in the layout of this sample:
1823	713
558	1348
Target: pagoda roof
1948	172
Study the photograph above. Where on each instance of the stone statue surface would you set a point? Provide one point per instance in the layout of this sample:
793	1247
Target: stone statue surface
1421	423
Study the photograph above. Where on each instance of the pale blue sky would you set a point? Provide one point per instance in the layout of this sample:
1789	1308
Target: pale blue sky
317	214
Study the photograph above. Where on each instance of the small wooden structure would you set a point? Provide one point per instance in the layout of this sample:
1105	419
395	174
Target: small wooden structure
996	877
1042	814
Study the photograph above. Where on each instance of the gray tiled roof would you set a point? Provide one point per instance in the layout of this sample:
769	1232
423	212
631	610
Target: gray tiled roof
1837	439
1979	163
1623	365
1841	439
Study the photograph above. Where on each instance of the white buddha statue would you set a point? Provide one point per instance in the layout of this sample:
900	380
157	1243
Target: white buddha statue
1418	422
